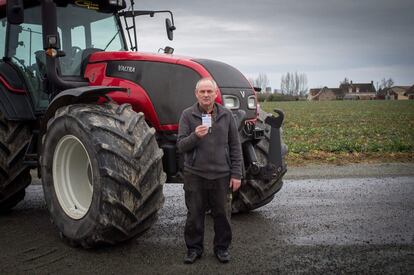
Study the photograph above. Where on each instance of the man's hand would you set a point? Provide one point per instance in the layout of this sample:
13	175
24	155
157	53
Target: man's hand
201	130
235	184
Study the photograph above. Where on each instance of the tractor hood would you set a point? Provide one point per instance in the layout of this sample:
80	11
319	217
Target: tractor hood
225	75
152	71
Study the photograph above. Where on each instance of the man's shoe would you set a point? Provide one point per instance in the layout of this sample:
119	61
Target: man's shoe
222	255
191	257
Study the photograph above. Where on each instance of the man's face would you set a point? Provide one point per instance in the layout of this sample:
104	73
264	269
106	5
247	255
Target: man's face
206	94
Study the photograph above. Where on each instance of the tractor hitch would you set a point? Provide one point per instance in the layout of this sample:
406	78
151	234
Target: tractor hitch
275	167
275	143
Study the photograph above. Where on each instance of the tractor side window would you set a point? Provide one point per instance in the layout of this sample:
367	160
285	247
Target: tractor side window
78	37
70	64
2	37
30	41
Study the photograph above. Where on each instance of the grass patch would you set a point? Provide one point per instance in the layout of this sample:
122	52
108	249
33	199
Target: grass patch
347	131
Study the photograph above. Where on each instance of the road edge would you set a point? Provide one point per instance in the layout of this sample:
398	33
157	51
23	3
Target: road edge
356	170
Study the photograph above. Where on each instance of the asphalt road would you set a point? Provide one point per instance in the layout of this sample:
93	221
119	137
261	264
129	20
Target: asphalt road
349	219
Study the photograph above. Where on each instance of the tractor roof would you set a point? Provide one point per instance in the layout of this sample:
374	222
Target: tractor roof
93	4
2	8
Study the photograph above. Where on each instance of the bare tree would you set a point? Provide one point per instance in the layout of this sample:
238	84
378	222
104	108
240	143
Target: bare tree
387	83
296	81
303	84
390	82
261	81
294	84
286	84
377	86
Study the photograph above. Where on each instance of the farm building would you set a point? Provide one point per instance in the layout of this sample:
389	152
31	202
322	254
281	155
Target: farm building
359	90
345	91
325	93
410	93
394	93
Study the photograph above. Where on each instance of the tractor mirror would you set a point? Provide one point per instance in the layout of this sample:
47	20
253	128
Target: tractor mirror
170	28
168	50
15	12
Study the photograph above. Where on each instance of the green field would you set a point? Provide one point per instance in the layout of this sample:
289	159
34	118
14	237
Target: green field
350	130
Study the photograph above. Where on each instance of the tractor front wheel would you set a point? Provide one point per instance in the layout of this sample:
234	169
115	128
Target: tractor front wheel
102	173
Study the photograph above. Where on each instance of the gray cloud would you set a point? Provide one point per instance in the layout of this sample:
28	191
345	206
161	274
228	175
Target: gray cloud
327	39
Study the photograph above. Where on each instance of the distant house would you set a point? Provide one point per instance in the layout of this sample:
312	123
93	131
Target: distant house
400	92
394	93
325	93
410	93
358	90
345	91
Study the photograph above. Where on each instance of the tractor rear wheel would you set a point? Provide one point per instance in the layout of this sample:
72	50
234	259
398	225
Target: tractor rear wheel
254	192
102	173
14	174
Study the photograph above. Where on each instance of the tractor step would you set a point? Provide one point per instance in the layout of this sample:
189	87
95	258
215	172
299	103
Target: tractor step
30	157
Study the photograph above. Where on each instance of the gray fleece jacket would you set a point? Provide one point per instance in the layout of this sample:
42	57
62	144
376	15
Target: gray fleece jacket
216	155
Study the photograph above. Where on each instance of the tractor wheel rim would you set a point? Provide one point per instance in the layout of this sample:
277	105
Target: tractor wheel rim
72	177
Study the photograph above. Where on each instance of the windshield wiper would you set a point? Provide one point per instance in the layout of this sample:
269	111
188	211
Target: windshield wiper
113	38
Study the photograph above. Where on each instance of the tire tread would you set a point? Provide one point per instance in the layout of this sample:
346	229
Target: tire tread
14	174
131	183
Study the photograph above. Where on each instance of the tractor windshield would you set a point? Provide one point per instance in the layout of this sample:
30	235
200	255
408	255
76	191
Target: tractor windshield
83	31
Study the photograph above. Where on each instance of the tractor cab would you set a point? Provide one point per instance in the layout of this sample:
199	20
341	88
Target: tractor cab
49	42
39	51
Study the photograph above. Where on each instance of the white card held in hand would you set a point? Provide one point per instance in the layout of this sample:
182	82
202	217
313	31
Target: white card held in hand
206	120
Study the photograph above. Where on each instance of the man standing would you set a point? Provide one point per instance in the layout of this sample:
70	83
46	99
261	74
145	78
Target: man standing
209	140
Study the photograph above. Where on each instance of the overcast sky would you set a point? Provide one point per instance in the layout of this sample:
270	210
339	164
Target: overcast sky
328	40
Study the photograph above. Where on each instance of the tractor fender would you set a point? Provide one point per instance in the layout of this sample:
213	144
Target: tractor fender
86	94
15	102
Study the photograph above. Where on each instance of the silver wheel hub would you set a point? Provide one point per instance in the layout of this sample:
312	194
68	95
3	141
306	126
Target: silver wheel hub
72	176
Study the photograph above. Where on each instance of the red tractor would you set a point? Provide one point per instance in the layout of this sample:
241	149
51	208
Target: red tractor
99	120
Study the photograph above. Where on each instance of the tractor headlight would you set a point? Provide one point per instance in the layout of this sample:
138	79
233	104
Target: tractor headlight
231	102
251	102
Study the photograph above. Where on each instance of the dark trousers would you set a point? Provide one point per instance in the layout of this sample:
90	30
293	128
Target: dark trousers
201	193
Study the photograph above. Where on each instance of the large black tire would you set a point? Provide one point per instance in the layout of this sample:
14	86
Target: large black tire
118	193
14	174
254	192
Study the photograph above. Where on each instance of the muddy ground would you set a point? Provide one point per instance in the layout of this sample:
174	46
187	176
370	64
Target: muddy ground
357	218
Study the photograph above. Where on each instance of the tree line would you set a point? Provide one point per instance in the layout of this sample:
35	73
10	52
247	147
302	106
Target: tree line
294	84
291	84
